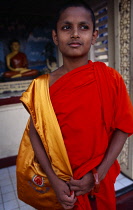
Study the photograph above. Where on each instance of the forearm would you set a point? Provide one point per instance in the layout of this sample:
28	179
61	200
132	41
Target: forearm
41	155
12	69
60	187
19	70
114	149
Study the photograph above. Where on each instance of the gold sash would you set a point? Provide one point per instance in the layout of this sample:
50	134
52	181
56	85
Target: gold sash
32	184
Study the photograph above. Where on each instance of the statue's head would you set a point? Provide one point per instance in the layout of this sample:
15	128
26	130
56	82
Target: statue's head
15	45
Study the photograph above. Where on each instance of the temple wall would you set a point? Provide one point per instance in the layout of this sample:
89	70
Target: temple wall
13	119
125	69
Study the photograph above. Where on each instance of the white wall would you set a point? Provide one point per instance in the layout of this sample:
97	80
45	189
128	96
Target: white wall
13	119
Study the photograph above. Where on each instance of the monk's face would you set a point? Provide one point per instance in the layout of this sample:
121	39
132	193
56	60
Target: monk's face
15	46
75	33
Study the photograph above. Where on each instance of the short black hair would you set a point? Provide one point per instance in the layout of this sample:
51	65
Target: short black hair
74	3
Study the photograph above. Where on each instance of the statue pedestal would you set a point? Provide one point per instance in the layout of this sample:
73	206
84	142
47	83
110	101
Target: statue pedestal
14	86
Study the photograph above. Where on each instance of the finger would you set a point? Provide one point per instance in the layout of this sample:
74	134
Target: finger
74	199
72	195
67	191
79	193
68	199
71	180
74	182
75	188
68	207
70	202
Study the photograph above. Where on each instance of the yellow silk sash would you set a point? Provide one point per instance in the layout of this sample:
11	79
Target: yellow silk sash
32	184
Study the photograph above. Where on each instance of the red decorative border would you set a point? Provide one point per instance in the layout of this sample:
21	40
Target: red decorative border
38	180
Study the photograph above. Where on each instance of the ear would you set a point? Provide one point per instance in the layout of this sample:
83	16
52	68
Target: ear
94	37
54	36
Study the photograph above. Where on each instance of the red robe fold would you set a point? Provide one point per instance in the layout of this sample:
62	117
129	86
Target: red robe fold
19	61
90	102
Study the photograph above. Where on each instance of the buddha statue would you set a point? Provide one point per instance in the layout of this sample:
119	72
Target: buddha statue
17	63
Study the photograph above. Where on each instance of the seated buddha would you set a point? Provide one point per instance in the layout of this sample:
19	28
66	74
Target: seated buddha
17	63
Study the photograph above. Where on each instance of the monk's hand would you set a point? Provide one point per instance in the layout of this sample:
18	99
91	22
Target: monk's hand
64	196
82	186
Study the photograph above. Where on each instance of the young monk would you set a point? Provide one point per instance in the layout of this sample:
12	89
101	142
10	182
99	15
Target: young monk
93	110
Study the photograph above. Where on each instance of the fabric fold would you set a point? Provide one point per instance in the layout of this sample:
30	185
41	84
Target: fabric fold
46	124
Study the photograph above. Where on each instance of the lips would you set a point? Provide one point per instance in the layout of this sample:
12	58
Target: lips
75	44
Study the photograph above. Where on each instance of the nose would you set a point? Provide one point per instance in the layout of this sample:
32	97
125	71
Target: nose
75	33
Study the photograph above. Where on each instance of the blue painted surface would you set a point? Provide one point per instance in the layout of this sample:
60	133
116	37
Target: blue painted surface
36	43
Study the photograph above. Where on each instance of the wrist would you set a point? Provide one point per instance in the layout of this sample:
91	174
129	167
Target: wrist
53	179
102	170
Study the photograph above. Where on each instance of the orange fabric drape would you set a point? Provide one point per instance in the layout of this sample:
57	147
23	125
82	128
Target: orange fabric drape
37	101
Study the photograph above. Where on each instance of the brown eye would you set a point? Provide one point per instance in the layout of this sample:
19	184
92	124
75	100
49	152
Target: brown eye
84	27
67	27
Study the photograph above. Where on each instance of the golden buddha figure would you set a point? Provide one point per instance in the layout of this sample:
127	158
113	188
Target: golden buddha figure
17	63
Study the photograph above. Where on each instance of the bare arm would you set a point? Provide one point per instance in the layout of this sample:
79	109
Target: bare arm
86	183
8	63
40	152
116	144
60	187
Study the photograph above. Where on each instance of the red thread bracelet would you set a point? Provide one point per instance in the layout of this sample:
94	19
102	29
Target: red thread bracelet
97	182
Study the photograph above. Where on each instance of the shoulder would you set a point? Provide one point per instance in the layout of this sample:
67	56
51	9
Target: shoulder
9	56
36	86
41	78
116	77
37	82
111	75
111	71
114	73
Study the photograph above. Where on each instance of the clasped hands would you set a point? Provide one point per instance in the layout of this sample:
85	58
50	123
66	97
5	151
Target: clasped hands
82	186
67	192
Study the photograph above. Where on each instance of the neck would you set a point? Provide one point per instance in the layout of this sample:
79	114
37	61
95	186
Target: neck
73	63
15	52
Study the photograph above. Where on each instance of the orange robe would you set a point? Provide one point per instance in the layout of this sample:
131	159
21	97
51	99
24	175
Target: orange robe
90	102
